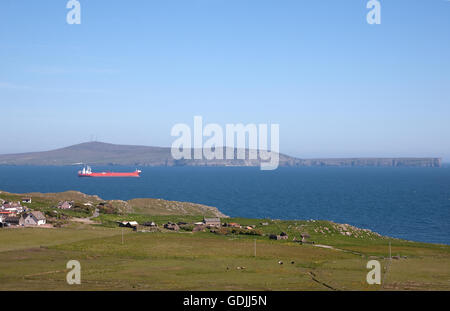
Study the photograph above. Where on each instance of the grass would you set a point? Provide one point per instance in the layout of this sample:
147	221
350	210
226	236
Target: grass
201	261
35	258
25	238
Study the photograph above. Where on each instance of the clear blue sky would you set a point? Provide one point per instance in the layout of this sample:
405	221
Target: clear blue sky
337	86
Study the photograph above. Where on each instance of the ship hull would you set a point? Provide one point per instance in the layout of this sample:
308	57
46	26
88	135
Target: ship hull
109	174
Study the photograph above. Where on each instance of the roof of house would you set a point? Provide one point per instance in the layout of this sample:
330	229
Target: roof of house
11	205
38	215
12	219
214	219
131	223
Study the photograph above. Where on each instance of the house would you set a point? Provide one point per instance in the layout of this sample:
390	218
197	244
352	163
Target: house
2	216
12	210
12	207
212	222
5	214
128	224
12	220
65	205
34	218
26	200
284	236
171	226
281	236
150	224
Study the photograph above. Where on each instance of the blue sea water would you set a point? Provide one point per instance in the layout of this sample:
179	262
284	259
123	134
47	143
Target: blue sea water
408	203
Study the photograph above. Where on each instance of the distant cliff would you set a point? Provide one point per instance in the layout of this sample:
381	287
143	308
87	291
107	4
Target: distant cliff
417	162
98	153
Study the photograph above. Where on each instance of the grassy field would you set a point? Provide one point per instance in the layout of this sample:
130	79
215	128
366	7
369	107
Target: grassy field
113	258
35	259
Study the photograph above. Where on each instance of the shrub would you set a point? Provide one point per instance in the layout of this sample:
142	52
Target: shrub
108	208
227	231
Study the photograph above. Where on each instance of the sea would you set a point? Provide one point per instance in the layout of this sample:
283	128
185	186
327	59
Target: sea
401	202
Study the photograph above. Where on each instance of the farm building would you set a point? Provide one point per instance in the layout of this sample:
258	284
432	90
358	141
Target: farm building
128	224
12	220
65	205
150	224
4	213
12	207
26	200
34	218
281	236
171	226
212	222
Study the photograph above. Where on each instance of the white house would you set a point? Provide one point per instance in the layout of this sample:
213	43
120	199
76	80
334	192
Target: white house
212	222
128	224
26	200
12	207
65	205
11	210
34	218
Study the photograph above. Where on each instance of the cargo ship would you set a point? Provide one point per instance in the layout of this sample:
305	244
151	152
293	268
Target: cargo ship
87	172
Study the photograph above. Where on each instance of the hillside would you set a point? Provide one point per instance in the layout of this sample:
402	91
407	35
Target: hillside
145	206
98	153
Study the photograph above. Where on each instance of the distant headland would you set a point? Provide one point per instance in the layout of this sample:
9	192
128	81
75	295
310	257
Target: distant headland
99	153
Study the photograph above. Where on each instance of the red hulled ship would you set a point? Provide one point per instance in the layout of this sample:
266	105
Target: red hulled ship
87	172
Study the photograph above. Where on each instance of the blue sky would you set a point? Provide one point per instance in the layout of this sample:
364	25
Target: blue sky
337	86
